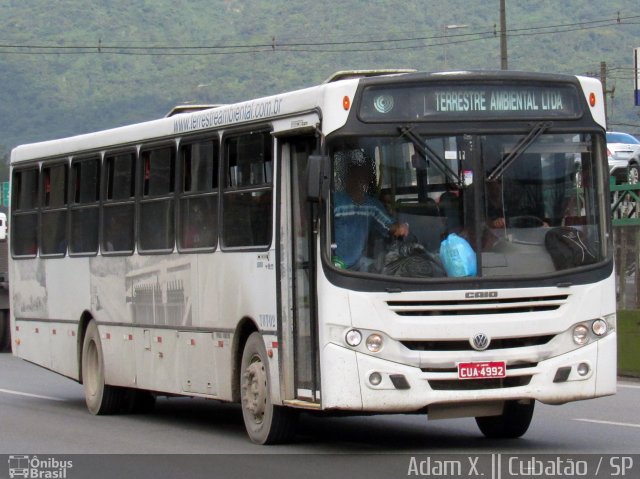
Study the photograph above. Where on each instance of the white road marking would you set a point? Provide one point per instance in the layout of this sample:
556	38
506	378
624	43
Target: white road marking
628	386
37	396
610	423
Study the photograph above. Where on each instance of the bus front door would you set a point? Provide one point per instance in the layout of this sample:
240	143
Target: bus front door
300	365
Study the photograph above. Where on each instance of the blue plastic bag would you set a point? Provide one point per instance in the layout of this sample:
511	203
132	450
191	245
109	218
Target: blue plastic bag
457	256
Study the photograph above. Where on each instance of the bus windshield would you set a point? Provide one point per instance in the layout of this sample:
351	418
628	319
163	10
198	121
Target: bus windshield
506	199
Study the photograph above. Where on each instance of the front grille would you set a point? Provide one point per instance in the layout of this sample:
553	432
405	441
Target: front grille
464	345
478	306
476	384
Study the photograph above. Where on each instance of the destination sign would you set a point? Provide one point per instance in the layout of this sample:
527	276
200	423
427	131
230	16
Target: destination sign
431	102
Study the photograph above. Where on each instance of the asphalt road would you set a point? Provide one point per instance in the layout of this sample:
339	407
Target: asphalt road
43	418
41	412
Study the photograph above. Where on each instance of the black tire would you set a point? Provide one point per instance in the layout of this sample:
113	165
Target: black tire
265	423
5	332
138	401
512	423
101	398
633	174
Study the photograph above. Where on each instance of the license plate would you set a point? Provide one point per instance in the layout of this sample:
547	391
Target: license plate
483	370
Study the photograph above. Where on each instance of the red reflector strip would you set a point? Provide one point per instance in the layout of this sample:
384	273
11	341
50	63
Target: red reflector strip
159	339
221	344
274	344
108	335
17	328
193	342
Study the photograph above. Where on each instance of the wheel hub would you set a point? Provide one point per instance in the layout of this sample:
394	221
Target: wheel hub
255	389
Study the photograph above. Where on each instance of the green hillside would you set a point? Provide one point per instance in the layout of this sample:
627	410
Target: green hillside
73	66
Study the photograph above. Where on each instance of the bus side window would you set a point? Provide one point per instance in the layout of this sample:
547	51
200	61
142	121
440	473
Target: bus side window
53	240
85	181
247	198
118	208
156	206
198	218
24	222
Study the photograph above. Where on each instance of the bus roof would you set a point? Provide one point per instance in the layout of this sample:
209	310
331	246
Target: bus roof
181	109
349	74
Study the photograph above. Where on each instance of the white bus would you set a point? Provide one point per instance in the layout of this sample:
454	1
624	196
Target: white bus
225	254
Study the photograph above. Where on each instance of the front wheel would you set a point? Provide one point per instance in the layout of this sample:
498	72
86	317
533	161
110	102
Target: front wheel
100	397
265	423
513	422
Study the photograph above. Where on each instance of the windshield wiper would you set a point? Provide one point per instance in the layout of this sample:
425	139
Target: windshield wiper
427	152
518	150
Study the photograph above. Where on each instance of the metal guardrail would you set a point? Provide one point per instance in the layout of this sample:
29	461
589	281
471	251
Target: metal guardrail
625	215
625	205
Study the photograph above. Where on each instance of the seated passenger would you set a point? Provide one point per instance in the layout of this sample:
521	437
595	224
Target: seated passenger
198	233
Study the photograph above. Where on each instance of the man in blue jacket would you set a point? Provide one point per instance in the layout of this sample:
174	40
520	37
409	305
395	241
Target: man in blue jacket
355	215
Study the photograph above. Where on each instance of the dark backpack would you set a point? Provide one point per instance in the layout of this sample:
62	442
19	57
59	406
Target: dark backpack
569	248
409	258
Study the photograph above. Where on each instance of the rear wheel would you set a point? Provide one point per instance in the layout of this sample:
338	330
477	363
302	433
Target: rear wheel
265	423
100	397
513	422
138	401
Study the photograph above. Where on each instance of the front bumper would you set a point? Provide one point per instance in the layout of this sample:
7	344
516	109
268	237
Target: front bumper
346	385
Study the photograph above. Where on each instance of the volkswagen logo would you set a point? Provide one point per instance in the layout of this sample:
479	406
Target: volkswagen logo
480	341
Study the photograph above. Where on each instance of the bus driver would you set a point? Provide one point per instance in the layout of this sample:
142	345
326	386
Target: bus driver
355	214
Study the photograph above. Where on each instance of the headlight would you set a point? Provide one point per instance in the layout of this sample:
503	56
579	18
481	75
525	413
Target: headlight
375	379
583	369
580	334
353	337
599	327
374	343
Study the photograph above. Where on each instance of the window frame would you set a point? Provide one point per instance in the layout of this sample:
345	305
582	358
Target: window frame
182	195
106	203
45	209
146	199
33	211
228	190
79	206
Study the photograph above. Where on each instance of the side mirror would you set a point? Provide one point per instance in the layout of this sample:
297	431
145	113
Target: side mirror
318	180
